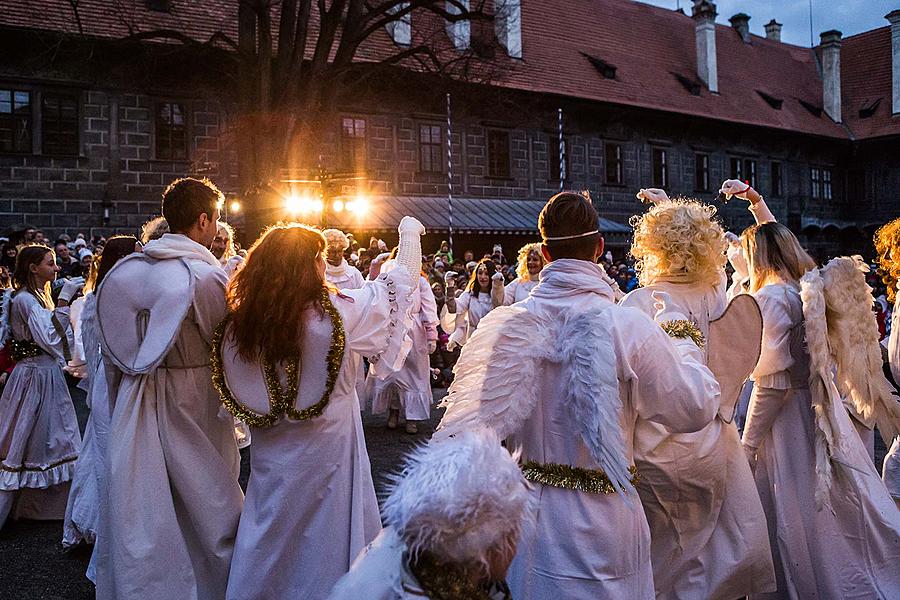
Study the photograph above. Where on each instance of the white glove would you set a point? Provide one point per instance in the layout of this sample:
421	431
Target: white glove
652	195
432	346
381	258
734	187
497	278
71	288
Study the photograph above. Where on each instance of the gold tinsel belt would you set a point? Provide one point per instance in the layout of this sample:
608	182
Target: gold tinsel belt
22	349
593	481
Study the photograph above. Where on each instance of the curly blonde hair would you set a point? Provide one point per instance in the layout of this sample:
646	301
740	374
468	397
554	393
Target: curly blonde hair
887	247
679	238
522	260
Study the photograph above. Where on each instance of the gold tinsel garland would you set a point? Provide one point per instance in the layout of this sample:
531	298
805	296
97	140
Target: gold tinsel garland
683	329
22	349
592	481
281	401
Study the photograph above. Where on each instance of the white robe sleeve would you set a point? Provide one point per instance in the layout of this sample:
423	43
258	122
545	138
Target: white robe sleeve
209	300
765	406
670	385
509	293
458	335
376	319
775	356
761	212
428	310
50	329
894	342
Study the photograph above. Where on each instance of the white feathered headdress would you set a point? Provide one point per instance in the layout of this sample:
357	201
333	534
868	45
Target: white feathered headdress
853	339
458	498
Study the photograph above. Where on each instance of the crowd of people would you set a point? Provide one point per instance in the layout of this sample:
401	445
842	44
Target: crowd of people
695	421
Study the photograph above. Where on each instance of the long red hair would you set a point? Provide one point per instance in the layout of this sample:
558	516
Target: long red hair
268	295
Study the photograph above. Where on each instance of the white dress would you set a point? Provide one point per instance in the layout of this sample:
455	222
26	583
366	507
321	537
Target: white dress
39	437
589	545
890	472
412	383
345	277
707	526
173	463
470	309
517	291
310	505
850	550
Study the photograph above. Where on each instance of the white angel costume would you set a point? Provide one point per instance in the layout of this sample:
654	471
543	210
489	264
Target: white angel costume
707	527
412	383
564	376
454	503
471	307
890	472
345	277
169	525
518	290
834	531
39	437
310	505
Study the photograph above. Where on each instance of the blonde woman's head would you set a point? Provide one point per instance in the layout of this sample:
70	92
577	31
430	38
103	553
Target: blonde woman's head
887	247
774	253
529	254
681	240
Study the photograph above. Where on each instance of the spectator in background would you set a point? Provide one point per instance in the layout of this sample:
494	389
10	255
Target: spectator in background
85	258
444	253
222	248
8	259
40	237
68	264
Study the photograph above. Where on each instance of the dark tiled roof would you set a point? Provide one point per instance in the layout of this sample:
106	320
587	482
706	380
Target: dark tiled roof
866	84
650	50
470	215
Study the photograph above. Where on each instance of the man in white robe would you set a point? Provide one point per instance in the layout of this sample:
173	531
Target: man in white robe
174	500
563	376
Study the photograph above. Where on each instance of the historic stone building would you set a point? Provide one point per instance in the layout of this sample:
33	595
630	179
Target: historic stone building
93	127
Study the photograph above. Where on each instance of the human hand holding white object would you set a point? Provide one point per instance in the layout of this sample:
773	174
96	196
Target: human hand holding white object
497	278
652	195
71	288
734	187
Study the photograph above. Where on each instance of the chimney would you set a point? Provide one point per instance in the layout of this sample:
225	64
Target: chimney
773	30
741	24
704	16
894	18
831	74
508	25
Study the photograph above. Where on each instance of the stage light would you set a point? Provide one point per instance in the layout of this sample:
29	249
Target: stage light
338	206
293	204
235	206
359	206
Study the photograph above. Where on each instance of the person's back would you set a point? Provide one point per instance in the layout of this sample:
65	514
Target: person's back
594	367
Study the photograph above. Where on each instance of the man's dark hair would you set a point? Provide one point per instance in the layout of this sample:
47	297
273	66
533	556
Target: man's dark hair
186	199
565	214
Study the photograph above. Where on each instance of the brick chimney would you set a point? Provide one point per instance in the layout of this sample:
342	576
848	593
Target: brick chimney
773	30
508	24
741	24
704	15
831	74
894	18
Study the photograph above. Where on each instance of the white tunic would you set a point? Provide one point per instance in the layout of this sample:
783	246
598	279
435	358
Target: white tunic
470	309
517	291
707	526
174	498
310	505
345	277
852	549
413	381
890	472
39	437
586	545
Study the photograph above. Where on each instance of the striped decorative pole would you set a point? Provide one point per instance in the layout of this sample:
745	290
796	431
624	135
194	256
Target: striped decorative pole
562	155
449	173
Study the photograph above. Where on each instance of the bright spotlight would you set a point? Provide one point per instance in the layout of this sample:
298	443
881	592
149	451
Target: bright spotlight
317	205
338	206
235	206
293	204
360	205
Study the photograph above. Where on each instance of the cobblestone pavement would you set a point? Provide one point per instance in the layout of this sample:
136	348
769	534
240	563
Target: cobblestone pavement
33	564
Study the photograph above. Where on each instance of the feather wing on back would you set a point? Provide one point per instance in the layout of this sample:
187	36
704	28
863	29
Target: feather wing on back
853	338
496	378
90	334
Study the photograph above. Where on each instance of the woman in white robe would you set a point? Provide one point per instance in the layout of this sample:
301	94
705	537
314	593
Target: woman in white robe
887	246
310	505
528	271
89	484
834	531
409	389
707	528
39	437
483	293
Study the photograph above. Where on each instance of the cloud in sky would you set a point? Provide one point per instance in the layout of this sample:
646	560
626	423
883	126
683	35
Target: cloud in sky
848	16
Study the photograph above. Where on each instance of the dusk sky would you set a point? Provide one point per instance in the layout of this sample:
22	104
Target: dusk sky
848	16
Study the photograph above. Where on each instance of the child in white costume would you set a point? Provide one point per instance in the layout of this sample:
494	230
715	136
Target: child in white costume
564	376
833	528
39	434
310	505
453	519
707	528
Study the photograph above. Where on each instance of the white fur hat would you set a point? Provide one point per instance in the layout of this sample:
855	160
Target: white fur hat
459	497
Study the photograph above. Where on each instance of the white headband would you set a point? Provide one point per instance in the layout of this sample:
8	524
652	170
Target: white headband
570	237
